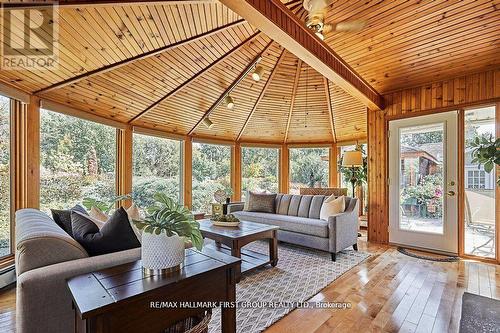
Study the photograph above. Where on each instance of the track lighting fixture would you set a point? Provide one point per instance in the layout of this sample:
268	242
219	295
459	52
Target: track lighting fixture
229	102
257	73
207	122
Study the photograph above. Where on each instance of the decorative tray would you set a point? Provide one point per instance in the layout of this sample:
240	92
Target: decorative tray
225	224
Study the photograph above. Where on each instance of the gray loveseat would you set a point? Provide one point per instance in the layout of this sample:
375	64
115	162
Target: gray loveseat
45	257
299	222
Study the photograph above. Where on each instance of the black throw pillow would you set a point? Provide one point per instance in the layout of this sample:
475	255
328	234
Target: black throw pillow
63	217
115	235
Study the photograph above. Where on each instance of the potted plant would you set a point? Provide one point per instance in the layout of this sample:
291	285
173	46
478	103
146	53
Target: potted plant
486	152
164	231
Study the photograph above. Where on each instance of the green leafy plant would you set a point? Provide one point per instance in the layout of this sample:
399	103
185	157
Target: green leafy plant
104	206
486	152
168	216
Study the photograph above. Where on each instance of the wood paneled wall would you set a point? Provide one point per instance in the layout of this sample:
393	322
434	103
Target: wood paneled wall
453	94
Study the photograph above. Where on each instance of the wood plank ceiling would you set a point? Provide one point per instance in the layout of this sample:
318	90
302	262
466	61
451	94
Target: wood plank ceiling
163	65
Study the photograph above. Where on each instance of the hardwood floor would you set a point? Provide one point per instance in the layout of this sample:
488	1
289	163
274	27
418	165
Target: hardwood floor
389	292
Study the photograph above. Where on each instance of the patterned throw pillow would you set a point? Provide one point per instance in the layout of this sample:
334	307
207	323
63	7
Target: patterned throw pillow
261	202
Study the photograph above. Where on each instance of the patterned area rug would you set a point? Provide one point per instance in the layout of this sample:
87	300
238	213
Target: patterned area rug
300	274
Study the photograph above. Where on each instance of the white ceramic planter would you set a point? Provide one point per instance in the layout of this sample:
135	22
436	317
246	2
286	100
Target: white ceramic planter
161	254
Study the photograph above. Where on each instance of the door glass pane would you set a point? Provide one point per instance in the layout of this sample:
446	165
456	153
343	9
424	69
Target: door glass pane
421	178
479	185
4	176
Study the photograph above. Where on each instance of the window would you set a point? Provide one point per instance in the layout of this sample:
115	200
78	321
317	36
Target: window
78	160
259	170
211	172
308	168
156	168
5	214
476	179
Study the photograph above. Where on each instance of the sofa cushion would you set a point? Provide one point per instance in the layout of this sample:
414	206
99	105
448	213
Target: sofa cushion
284	204
261	202
115	235
41	242
305	205
315	209
63	217
297	224
293	209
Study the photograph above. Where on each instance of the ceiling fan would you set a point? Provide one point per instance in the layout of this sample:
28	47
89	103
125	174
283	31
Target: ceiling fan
316	19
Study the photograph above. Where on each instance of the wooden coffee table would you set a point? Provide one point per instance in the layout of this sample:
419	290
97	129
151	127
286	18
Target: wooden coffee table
230	240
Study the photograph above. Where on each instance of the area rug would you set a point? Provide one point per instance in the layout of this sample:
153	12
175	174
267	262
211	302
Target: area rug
479	314
300	274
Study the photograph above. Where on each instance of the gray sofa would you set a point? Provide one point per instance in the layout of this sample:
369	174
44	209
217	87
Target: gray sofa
299	222
45	257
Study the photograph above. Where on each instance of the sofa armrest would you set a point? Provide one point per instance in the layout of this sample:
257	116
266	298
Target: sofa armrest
235	207
343	228
43	302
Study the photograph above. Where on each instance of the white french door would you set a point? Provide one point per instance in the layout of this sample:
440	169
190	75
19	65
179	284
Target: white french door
423	203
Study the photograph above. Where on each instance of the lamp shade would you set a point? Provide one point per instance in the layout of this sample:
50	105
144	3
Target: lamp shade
352	159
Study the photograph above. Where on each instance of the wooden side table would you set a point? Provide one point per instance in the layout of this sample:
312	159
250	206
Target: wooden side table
124	299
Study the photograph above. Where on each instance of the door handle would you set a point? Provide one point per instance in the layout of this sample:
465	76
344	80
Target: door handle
450	193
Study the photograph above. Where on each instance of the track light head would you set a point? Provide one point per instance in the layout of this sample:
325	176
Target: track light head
229	102
258	73
207	122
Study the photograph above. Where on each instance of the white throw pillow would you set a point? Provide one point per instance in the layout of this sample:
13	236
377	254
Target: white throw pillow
330	198
135	214
332	207
98	214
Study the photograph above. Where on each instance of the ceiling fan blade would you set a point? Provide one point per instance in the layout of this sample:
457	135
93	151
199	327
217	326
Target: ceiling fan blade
350	26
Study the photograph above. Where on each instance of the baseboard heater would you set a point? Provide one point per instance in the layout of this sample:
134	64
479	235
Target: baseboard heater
7	276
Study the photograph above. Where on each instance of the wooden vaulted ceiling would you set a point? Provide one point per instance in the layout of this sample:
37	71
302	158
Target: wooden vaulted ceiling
162	65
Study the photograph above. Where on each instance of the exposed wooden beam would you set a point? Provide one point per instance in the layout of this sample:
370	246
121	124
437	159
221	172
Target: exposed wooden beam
330	108
101	3
193	78
278	22
262	93
292	101
141	56
233	85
